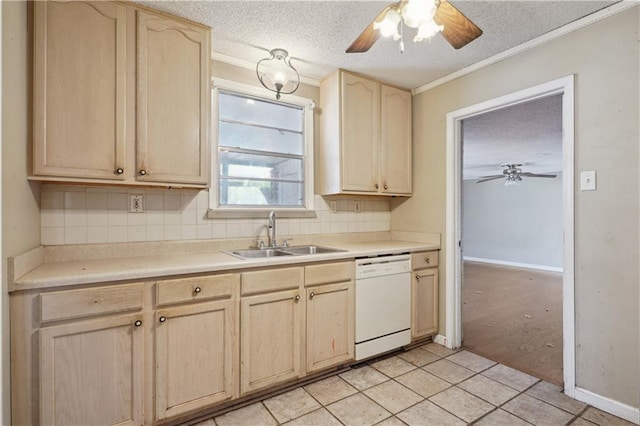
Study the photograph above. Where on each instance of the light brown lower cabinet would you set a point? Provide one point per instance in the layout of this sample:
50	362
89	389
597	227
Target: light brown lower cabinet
424	294
92	372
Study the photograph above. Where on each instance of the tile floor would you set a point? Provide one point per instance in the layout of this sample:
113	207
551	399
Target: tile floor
429	385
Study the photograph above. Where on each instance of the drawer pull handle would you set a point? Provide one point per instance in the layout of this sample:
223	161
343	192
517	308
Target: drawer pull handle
119	170
197	290
311	295
426	259
377	186
138	323
142	172
385	186
297	298
162	319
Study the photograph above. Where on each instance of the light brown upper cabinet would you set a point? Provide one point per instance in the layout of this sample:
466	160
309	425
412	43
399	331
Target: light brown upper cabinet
121	95
365	137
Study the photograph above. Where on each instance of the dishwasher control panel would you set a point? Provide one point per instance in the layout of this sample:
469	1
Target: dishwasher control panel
381	266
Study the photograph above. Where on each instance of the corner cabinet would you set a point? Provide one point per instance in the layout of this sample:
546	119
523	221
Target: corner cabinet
424	294
365	137
121	95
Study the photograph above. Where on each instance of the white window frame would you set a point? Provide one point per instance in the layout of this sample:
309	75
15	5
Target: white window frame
218	211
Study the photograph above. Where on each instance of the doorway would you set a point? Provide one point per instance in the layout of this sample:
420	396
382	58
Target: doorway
511	235
453	237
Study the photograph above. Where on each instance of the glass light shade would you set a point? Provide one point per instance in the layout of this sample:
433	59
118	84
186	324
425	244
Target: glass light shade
389	25
277	74
427	30
513	180
418	12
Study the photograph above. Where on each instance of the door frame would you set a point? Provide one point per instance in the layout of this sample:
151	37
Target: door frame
453	260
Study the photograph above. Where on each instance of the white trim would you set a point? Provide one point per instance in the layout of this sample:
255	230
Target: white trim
530	44
453	213
439	339
603	403
221	57
514	264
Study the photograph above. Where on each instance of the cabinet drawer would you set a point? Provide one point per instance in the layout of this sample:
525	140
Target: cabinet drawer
271	280
425	259
328	273
191	289
59	305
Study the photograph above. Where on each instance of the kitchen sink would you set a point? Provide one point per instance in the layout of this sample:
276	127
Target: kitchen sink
284	251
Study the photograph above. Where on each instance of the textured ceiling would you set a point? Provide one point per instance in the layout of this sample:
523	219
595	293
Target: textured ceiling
316	33
528	133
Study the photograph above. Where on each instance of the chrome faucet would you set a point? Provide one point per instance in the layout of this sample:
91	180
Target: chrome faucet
272	229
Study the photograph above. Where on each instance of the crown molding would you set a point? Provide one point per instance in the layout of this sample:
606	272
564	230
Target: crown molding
544	38
221	57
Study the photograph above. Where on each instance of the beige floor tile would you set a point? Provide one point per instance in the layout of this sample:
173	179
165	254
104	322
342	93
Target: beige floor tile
291	405
599	417
487	389
423	383
428	413
537	412
318	417
363	377
393	396
553	395
582	422
330	390
438	349
251	415
449	371
510	377
391	421
393	366
501	418
419	357
471	361
462	404
358	410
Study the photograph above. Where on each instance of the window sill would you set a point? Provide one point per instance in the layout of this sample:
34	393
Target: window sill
259	213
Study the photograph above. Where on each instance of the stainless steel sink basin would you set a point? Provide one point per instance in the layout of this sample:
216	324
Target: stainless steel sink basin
284	251
301	250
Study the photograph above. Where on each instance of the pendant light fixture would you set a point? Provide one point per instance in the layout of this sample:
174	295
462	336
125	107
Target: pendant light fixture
277	74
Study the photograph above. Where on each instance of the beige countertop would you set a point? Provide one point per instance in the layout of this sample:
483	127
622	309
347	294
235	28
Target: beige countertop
86	271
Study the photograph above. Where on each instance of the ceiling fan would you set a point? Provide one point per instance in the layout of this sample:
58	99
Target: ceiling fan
513	174
428	16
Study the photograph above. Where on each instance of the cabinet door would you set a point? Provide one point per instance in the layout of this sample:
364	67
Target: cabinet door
270	346
79	89
194	357
91	372
360	120
395	127
173	101
424	306
330	325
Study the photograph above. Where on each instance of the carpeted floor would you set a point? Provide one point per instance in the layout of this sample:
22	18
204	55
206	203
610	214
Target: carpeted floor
514	316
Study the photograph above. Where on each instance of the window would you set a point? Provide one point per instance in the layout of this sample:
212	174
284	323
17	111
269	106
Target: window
262	155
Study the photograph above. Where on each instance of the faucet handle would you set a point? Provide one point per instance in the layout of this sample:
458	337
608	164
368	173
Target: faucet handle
259	243
285	242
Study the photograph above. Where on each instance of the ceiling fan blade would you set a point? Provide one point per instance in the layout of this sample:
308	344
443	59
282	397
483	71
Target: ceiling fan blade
488	178
537	175
458	29
369	36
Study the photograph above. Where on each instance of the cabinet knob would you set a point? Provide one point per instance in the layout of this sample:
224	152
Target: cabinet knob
385	186
142	172
162	319
377	186
297	298
119	171
417	277
138	323
197	290
311	295
426	259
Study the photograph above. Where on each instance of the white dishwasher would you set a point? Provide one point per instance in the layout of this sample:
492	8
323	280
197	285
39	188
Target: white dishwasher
383	304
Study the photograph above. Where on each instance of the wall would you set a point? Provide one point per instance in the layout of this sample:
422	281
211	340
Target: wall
604	58
521	224
20	199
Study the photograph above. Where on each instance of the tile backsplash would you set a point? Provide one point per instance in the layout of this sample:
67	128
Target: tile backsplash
85	215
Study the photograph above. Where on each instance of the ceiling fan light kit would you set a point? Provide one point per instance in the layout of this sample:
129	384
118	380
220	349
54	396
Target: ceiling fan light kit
277	74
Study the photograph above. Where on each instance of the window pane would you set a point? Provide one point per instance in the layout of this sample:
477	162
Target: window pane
238	164
249	110
260	138
261	192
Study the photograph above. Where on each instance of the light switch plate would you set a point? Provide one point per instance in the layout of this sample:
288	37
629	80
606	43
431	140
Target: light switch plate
588	181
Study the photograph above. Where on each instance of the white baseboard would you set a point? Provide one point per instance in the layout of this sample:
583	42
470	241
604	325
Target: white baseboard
440	339
603	403
515	264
